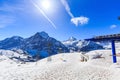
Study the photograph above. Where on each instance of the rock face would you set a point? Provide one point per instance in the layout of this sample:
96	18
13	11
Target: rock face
40	43
78	45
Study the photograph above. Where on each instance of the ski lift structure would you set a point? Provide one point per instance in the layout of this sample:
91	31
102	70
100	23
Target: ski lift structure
112	38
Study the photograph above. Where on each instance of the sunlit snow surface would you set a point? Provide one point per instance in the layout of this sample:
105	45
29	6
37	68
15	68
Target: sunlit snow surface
65	66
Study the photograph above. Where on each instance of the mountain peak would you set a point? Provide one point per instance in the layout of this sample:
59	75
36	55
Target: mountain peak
16	37
43	34
72	39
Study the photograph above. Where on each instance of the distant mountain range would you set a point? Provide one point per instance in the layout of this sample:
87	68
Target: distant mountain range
39	43
42	45
79	45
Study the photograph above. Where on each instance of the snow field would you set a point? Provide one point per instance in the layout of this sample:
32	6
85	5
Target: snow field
65	66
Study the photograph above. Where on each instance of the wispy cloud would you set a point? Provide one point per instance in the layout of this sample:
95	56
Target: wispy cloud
65	4
113	26
10	8
75	20
7	15
6	20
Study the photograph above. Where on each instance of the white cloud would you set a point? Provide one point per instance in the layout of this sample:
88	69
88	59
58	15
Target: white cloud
80	20
76	20
6	20
113	26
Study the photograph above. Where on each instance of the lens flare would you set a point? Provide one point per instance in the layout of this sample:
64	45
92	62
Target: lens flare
46	4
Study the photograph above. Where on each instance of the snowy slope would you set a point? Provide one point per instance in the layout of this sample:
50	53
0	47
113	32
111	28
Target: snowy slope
12	56
66	66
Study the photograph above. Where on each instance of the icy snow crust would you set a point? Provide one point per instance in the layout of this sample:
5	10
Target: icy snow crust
65	66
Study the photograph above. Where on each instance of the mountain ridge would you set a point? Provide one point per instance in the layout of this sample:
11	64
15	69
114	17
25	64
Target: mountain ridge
38	42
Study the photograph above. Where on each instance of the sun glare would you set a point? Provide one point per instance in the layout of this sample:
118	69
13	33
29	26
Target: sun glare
46	4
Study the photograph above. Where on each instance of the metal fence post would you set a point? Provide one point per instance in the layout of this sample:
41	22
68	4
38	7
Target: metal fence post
113	51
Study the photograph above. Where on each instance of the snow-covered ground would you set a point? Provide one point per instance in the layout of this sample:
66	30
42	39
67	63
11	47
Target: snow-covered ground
65	66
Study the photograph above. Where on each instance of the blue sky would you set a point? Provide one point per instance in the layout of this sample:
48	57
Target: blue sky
61	19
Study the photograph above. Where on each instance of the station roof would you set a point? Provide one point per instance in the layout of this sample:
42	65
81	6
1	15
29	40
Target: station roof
105	38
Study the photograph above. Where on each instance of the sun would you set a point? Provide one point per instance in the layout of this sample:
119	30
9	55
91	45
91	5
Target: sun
46	4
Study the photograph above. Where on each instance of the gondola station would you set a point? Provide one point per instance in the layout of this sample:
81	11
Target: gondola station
112	38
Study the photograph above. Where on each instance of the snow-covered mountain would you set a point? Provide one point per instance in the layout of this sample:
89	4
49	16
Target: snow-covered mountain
13	42
105	44
108	45
88	46
38	44
71	42
43	43
79	45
